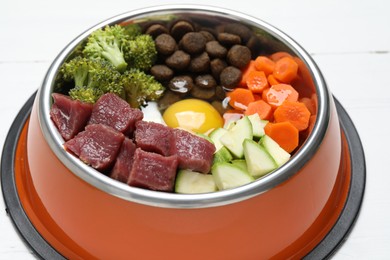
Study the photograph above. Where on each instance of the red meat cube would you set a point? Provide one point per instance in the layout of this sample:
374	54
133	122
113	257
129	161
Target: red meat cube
98	145
124	161
113	111
194	152
154	137
70	116
153	171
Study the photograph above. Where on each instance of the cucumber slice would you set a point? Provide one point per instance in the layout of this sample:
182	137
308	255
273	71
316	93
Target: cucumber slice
227	176
241	164
234	138
258	160
190	182
215	135
258	125
278	153
222	155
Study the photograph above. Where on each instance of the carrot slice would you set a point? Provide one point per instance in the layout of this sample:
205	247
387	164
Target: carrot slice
309	104
245	72
286	69
284	133
294	112
264	94
240	98
279	93
278	55
271	80
263	63
260	107
257	81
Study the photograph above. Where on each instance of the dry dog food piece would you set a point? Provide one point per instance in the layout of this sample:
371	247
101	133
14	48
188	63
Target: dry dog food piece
179	60
228	39
239	56
161	72
240	30
193	42
220	93
165	44
207	35
181	84
168	99
205	81
219	107
180	28
200	63
155	30
230	77
215	49
216	67
202	93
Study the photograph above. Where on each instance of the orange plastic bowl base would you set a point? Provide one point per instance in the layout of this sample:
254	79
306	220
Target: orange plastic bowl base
83	222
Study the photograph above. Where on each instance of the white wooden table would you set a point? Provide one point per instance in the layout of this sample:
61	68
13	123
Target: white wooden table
349	40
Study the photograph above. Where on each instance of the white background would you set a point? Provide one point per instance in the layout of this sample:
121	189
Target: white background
349	40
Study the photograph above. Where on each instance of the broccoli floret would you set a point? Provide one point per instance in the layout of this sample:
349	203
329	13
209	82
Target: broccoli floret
133	30
140	87
108	44
141	53
92	78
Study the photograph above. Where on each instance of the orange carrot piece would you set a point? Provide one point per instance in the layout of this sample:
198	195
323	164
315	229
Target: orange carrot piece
245	72
305	75
309	104
278	55
260	107
257	97
279	93
294	112
271	80
240	98
284	133
264	94
263	63
286	69
257	81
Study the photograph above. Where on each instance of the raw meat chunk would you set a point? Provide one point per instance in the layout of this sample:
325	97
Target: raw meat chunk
113	111
153	171
154	137
194	152
98	145
70	116
124	161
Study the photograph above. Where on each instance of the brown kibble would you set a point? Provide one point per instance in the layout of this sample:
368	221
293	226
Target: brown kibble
205	81
168	99
202	93
230	77
207	35
200	63
216	50
161	72
179	60
228	39
165	44
220	93
193	42
239	56
181	84
238	29
180	28
219	107
155	30
216	66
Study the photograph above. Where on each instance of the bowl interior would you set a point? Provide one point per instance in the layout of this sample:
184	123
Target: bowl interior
263	39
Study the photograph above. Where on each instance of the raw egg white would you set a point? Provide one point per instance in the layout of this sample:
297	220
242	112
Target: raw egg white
194	115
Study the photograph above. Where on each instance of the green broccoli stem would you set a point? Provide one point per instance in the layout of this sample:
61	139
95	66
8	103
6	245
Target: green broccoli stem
115	56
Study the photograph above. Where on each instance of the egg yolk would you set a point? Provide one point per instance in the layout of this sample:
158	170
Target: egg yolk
194	115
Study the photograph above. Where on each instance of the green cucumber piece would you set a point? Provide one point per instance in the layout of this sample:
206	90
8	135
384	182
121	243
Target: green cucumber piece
278	153
240	163
215	135
234	138
189	182
258	160
258	125
222	155
227	176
